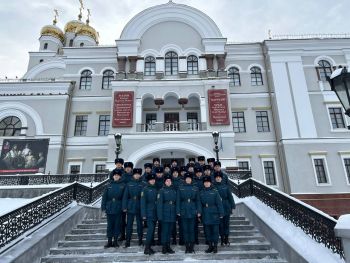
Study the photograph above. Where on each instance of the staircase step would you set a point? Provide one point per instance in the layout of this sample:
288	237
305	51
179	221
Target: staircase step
132	257
136	249
256	239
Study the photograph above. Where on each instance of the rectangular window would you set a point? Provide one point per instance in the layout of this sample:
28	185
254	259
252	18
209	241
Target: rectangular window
243	165
100	168
347	168
192	121
337	119
103	127
269	170
74	169
320	171
80	125
151	119
238	121
262	121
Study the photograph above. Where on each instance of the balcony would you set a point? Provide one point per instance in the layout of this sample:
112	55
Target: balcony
171	127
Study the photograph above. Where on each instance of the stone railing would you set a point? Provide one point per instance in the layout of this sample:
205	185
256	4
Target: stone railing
171	127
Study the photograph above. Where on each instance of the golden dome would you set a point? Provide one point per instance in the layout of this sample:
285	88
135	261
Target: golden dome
72	26
52	30
87	30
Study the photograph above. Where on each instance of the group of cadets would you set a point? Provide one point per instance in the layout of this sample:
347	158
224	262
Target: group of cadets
168	197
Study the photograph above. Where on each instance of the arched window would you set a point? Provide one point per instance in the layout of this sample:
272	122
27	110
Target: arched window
171	63
235	78
324	70
81	44
85	80
45	46
256	76
71	42
108	76
192	65
150	66
10	126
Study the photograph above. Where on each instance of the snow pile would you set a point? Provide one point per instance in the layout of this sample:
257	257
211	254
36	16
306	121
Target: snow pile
9	204
343	222
44	185
295	236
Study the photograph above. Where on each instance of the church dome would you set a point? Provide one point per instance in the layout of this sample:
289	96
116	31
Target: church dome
71	26
54	31
87	30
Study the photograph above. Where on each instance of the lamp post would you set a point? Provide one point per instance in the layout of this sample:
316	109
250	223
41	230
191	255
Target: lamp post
118	143
340	84
216	140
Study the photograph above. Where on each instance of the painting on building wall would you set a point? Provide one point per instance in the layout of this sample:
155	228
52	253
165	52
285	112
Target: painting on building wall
26	156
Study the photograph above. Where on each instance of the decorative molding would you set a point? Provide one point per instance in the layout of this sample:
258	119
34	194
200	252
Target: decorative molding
318	153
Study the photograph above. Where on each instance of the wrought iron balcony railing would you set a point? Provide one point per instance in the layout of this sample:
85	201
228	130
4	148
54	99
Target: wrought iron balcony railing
317	225
15	223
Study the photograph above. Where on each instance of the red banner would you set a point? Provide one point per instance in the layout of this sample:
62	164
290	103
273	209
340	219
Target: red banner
218	107
123	109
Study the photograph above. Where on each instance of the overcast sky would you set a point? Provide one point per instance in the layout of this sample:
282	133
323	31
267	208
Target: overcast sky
238	20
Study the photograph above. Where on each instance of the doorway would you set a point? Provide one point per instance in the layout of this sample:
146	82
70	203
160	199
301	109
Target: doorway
171	121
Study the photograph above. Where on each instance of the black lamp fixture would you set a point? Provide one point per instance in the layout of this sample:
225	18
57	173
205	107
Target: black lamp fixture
216	140
340	84
118	143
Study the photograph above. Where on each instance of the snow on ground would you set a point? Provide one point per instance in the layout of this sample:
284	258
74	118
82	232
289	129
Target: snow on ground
343	222
295	236
9	204
43	186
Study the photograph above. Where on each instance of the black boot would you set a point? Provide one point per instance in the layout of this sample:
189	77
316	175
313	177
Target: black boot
140	242
210	248
169	250
197	241
147	250
227	243
187	248
215	248
222	240
151	250
121	238
164	249
109	243
174	241
115	243
127	243
191	247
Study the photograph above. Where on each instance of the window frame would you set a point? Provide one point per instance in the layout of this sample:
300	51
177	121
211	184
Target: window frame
313	158
234	71
86	78
106	126
345	119
150	66
245	127
244	160
78	163
98	163
192	65
268	121
274	168
173	61
14	129
347	177
322	70
46	45
254	75
109	79
83	121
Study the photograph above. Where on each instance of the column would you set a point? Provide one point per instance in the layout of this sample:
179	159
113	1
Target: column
203	107
160	67
138	114
210	65
202	66
183	67
221	65
121	68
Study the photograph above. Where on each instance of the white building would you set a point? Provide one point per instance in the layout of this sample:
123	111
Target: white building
176	79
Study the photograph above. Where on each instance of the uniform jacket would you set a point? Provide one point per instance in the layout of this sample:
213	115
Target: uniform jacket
224	177
226	197
211	206
177	182
187	201
159	183
132	196
149	202
127	177
198	182
112	197
166	204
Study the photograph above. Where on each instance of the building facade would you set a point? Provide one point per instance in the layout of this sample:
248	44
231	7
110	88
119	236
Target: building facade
172	79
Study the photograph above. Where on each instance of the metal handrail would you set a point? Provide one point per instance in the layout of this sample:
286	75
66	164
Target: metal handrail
314	223
15	223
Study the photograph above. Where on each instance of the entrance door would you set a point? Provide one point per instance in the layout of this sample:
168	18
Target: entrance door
180	161
171	121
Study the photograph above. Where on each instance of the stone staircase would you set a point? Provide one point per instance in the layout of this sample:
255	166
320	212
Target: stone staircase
85	244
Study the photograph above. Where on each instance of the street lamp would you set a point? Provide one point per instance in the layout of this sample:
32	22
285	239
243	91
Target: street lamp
216	140
340	84
118	143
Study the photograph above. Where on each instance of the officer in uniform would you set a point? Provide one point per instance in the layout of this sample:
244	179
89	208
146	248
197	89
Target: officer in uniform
177	181
188	208
156	163
190	168
167	168
112	205
128	173
207	170
173	163
118	165
148	170
131	205
228	204
201	161
166	212
211	161
198	182
211	211
217	169
183	170
159	184
149	210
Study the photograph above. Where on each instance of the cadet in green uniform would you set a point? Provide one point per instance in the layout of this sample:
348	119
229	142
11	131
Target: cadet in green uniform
118	165
131	205
166	212
211	210
228	204
112	205
217	169
149	210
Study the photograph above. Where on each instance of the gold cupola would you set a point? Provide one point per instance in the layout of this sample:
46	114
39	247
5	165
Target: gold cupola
53	30
87	30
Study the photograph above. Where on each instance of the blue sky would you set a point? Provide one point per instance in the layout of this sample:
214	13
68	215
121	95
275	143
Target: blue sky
239	21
